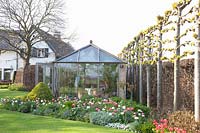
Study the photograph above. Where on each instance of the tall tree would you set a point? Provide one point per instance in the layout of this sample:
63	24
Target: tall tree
148	69
159	62
179	6
141	37
197	69
23	19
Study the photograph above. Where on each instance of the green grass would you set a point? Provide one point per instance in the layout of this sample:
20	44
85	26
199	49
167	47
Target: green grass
7	93
14	122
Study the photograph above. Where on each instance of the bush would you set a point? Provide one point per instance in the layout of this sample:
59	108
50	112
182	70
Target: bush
184	120
68	104
68	114
52	109
16	87
116	99
101	118
41	91
27	107
11	104
86	97
145	127
4	86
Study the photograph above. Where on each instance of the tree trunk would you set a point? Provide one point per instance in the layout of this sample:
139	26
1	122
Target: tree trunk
140	79
26	73
159	73
177	63
148	77
197	73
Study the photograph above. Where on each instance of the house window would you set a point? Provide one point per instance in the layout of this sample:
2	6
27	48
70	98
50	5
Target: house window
7	74
40	52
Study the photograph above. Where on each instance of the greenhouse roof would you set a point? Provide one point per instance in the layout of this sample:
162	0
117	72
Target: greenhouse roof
90	54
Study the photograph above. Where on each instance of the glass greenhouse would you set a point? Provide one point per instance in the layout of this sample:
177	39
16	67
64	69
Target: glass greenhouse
89	70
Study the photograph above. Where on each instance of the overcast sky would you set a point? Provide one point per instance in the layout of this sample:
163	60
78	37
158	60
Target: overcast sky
111	24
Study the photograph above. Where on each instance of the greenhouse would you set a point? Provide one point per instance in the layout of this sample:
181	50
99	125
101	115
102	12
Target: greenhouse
89	70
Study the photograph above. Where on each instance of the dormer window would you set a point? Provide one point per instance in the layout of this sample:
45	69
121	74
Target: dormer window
40	52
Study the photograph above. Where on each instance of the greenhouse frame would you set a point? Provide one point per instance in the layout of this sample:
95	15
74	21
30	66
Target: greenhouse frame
87	71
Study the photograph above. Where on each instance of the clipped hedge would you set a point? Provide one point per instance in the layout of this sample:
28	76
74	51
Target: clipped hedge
16	87
41	91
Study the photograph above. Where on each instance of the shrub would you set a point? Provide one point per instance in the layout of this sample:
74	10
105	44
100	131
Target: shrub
145	127
68	104
27	107
86	97
116	99
52	109
132	126
11	104
68	114
41	91
4	86
184	120
101	118
39	110
16	87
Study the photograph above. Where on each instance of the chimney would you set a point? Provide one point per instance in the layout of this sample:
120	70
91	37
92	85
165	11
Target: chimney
57	35
91	42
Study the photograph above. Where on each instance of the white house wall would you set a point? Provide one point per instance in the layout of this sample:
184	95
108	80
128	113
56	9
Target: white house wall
8	59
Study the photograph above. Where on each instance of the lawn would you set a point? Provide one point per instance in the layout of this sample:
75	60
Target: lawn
6	93
15	122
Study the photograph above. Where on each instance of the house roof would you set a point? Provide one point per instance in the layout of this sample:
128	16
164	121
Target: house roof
4	43
59	47
90	54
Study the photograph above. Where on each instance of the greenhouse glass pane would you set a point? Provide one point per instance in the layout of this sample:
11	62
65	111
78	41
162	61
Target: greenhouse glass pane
89	54
105	57
71	58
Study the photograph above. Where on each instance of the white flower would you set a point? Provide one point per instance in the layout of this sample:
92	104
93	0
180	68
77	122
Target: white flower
139	114
136	118
113	107
63	105
103	109
139	110
122	113
110	113
143	115
41	101
123	107
119	105
88	107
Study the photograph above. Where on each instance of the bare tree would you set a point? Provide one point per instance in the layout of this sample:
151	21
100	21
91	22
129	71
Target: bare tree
22	20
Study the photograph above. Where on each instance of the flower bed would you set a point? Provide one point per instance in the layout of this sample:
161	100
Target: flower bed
106	112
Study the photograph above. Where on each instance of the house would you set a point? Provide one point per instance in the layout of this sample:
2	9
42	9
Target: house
49	49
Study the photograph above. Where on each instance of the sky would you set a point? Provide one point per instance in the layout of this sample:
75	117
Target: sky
112	24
